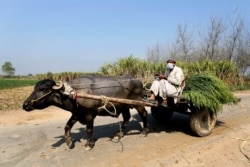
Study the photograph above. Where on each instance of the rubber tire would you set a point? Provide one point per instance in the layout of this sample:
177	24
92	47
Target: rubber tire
202	122
161	114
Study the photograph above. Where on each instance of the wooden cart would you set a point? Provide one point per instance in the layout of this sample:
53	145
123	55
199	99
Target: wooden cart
202	122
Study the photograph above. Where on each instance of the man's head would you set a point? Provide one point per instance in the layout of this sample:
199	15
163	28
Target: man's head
171	64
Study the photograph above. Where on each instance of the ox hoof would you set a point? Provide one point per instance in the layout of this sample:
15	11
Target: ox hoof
115	139
69	142
87	148
120	135
70	145
144	133
89	145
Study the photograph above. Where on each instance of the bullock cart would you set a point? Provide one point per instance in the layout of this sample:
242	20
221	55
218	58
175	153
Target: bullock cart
202	121
202	98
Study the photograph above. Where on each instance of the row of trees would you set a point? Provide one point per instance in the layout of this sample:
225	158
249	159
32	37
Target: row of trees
223	40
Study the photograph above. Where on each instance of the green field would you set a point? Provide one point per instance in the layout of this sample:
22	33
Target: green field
15	83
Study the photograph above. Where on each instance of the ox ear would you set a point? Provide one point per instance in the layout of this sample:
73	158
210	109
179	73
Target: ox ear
58	86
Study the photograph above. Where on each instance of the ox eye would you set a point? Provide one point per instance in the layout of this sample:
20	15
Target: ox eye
43	90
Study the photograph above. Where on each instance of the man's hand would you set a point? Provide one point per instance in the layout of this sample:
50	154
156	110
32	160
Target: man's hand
163	77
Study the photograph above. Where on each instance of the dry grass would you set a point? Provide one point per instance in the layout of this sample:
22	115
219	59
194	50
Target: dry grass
13	98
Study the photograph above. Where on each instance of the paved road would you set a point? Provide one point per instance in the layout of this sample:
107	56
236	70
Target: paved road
38	142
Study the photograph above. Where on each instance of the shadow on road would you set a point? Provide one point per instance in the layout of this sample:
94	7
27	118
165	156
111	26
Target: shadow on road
178	123
101	131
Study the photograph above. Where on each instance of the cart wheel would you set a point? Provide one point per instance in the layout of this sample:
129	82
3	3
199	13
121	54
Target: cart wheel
202	122
161	114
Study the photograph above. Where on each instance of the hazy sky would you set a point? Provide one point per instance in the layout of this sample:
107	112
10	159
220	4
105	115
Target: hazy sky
38	36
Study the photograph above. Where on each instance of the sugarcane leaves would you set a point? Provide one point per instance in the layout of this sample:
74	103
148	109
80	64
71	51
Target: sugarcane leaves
200	100
204	90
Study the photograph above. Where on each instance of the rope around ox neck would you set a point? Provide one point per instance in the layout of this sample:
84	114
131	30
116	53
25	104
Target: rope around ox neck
32	101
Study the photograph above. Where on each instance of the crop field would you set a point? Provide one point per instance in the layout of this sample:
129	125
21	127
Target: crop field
13	92
15	83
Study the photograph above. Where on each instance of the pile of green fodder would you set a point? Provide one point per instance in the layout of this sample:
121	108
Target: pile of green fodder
207	91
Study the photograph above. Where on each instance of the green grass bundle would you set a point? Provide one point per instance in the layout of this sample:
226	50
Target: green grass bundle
207	91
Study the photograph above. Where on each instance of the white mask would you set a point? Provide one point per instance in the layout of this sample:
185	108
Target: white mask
170	66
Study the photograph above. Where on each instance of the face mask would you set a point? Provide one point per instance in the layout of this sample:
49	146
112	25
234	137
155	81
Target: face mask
170	66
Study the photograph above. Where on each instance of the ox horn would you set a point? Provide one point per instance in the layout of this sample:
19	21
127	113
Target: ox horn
58	86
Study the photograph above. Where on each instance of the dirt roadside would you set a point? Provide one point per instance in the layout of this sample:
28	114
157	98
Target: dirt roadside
171	144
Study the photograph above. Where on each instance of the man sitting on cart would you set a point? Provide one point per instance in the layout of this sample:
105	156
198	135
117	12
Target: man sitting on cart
171	84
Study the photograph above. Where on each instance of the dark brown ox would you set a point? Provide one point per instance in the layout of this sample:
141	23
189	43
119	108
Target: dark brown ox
85	110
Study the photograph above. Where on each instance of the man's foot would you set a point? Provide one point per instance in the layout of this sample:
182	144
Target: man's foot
150	100
164	103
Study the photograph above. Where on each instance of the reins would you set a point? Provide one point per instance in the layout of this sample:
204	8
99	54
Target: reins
32	101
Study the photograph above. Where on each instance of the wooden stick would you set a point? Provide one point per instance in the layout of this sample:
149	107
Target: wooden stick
119	100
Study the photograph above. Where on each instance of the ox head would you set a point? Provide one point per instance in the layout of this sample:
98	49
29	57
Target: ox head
42	95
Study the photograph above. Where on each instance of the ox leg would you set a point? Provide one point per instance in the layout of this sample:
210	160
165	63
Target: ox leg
126	116
67	135
89	130
143	114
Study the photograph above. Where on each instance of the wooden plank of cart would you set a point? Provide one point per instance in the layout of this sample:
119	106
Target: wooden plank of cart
202	122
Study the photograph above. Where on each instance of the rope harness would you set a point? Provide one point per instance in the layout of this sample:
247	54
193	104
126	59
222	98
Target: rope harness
105	102
32	101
